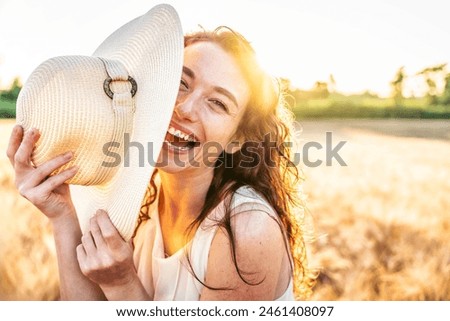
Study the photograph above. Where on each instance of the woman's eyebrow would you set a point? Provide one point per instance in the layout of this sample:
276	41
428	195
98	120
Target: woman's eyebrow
226	93
188	72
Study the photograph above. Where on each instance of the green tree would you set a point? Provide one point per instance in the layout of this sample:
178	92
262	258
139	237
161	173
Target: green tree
320	89
432	75
397	86
12	93
446	93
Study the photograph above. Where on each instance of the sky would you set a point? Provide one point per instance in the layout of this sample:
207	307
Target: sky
361	43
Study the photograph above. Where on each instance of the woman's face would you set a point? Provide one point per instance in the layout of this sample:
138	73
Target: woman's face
210	104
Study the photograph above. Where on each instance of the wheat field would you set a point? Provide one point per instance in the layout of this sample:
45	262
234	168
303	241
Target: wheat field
28	268
382	223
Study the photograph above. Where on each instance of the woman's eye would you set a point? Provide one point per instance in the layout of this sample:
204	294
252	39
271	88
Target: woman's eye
219	104
183	84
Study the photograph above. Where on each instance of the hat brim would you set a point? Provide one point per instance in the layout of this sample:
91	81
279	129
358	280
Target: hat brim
148	45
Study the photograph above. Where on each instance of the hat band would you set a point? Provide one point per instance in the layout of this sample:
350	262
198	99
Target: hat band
109	92
116	71
123	104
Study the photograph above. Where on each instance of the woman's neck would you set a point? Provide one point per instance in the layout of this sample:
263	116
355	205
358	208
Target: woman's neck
184	195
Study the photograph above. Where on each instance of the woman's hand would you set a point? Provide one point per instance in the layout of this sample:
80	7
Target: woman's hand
49	194
52	197
106	259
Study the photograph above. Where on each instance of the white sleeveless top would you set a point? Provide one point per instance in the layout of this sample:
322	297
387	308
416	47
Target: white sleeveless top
171	278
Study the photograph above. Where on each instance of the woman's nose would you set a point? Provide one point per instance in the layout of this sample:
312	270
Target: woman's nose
185	107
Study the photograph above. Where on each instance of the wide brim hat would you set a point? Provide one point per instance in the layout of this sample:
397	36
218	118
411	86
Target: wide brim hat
112	110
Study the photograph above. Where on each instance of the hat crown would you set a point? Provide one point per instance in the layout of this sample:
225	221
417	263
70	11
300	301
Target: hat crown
64	98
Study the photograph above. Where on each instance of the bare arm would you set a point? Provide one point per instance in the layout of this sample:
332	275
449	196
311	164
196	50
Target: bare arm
52	197
261	257
74	285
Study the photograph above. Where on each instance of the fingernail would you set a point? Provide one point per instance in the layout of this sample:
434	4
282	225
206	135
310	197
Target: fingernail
74	168
68	155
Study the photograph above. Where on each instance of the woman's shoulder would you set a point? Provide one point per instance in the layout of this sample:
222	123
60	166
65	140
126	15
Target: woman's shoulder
249	208
257	236
242	207
246	198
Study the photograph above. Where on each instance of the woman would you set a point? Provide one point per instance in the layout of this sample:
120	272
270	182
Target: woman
222	216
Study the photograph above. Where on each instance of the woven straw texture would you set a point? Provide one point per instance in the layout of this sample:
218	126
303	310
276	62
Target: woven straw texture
65	100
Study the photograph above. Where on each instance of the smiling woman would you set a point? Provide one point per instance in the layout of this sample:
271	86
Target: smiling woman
221	218
218	237
211	100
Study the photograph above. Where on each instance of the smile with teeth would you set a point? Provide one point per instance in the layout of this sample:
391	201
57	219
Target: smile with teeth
179	140
180	134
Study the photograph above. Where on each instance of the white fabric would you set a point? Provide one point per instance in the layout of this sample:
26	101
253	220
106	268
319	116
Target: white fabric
170	278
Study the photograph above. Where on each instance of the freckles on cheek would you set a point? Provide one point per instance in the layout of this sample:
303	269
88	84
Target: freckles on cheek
221	130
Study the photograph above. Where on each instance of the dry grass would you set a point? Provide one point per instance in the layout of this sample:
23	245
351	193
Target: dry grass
28	268
383	222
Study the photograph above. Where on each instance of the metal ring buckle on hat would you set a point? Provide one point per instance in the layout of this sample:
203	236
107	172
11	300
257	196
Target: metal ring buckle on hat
110	94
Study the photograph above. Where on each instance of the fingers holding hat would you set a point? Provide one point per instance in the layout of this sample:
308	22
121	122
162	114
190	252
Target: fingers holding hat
42	173
103	255
96	233
21	146
14	142
109	233
105	236
90	259
35	183
22	158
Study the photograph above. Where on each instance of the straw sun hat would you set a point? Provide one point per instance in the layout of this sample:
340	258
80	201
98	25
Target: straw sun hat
112	110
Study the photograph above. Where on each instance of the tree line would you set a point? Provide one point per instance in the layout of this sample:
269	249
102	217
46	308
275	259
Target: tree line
431	77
